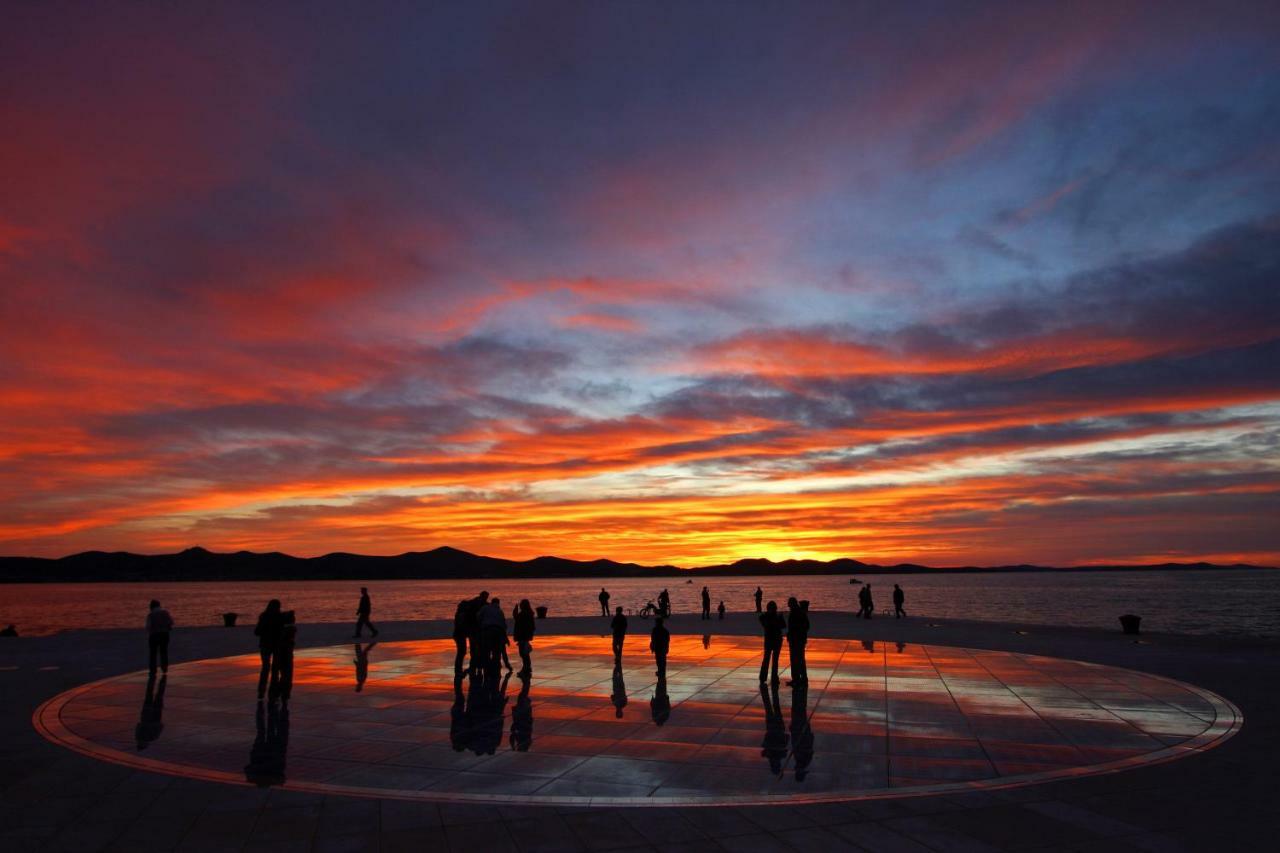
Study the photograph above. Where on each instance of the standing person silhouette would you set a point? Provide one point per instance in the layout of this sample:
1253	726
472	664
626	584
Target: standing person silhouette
475	638
797	637
899	598
720	610
525	625
493	633
268	633
282	662
664	603
462	618
362	612
604	601
871	604
759	596
619	626
660	644
706	604
159	624
773	625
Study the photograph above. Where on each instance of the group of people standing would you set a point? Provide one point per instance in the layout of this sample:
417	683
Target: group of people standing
481	638
795	626
867	606
277	635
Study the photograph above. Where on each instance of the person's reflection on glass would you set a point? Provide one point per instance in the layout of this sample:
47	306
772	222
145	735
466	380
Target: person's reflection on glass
487	712
869	645
902	647
459	724
801	731
150	722
660	704
619	695
267	755
706	641
362	664
774	746
522	719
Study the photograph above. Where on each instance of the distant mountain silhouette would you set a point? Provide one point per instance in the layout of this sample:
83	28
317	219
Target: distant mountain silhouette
199	564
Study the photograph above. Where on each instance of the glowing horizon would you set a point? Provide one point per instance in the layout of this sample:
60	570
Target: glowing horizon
597	281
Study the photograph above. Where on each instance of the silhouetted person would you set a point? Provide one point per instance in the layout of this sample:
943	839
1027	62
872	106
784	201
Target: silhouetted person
759	596
506	661
282	663
493	634
524	628
462	618
902	647
604	601
159	624
268	633
797	638
774	746
522	719
474	637
619	695
660	704
150	723
706	604
899	598
866	605
362	664
801	731
267	755
660	644
362	612
619	626
706	641
720	610
773	624
664	603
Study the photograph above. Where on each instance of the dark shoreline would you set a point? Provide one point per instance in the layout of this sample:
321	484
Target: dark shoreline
198	564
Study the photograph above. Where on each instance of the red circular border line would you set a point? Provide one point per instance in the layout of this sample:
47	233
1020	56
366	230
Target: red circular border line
1228	720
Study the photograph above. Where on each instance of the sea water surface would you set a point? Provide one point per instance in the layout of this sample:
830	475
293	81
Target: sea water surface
1224	601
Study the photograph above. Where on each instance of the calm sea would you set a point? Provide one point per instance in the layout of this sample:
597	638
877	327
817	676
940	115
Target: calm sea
1190	602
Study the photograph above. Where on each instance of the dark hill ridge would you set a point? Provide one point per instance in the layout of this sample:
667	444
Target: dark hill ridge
199	564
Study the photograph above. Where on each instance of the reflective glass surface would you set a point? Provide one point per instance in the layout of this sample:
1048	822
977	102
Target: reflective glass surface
874	719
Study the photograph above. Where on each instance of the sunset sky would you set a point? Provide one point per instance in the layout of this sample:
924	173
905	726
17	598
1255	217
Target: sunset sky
942	282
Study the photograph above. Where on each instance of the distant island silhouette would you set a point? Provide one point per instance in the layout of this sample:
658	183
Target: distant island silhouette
199	564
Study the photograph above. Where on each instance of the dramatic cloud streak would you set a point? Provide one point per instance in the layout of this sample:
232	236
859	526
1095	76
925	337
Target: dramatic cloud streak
660	285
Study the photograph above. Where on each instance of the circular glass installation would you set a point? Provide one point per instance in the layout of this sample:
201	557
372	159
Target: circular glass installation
874	720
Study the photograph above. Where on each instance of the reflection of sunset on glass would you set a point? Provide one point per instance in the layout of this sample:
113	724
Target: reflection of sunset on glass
874	718
944	288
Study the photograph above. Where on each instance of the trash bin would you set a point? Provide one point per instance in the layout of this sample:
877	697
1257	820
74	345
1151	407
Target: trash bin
1130	623
542	612
229	619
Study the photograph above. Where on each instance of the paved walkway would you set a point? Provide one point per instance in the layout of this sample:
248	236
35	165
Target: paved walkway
54	799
